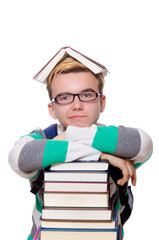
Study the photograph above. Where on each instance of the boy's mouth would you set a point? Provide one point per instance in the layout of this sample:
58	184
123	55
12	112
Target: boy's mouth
78	117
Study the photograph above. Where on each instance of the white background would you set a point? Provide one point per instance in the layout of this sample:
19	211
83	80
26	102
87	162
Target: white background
122	35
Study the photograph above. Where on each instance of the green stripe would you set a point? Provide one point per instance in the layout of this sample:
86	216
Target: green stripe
137	165
29	237
123	232
117	207
56	156
105	139
33	135
34	175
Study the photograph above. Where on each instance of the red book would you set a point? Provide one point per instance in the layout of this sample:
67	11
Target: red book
64	52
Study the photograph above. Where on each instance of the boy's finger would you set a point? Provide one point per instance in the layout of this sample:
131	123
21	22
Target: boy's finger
132	171
126	175
134	179
121	164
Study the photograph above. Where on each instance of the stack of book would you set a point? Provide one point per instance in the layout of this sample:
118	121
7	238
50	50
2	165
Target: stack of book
76	203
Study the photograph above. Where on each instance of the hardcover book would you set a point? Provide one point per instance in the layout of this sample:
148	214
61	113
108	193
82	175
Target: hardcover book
64	52
88	187
77	203
78	234
104	224
81	166
76	214
76	176
54	199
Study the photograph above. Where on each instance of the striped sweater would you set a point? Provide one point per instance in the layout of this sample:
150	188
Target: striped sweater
35	151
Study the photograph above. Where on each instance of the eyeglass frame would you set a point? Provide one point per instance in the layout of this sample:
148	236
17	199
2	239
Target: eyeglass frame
74	95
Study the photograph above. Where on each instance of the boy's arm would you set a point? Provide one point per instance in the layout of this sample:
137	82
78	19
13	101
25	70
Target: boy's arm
126	166
34	152
124	142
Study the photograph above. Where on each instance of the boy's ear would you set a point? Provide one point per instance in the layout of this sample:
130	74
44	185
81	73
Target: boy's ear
102	103
51	111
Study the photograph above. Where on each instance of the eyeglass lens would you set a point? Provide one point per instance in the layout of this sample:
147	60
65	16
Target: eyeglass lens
68	98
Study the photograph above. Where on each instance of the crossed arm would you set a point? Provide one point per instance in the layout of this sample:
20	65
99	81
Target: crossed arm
126	166
116	144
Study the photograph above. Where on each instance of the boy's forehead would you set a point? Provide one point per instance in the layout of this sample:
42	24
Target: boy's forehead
74	82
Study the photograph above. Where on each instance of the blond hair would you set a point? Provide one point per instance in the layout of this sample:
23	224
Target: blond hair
68	65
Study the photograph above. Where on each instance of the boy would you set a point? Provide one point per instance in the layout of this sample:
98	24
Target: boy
77	99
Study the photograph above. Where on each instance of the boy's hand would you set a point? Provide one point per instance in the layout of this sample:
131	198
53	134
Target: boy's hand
126	166
60	136
132	171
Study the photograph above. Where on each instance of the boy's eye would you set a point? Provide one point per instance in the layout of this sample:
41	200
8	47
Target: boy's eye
67	98
63	98
87	95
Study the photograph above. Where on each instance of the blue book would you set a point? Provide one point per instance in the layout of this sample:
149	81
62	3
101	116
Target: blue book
78	234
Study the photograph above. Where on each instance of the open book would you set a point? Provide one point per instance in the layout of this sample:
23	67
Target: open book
64	52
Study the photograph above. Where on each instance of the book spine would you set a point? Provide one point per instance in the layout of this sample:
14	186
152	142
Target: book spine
80	229
75	208
76	176
77	171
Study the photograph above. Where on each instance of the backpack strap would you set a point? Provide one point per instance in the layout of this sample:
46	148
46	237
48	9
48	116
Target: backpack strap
37	183
50	133
125	194
128	207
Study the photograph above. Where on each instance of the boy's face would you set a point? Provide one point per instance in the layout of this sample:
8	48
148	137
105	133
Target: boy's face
77	113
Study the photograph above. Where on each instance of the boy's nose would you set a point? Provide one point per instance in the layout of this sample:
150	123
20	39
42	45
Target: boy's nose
77	104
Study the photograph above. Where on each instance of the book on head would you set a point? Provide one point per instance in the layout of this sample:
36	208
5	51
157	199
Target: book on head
63	53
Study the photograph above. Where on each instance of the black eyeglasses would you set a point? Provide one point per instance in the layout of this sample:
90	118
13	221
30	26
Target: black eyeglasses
66	98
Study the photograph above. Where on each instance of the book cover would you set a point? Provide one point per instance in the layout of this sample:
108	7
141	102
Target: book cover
76	199
76	187
46	223
76	214
109	221
94	66
78	234
81	166
76	176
